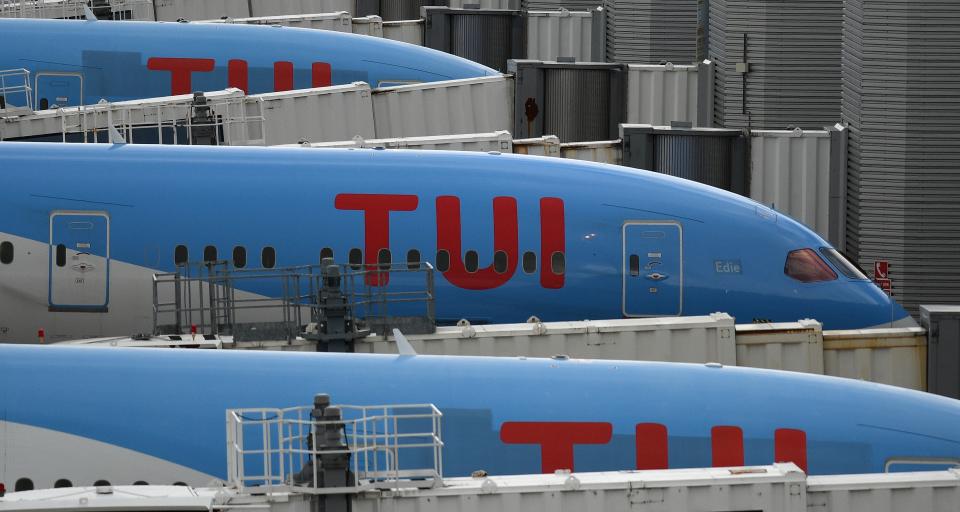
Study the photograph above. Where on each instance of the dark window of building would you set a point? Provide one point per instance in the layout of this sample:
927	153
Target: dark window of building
558	263
806	266
180	255
268	257
384	258
239	256
413	259
6	253
209	253
326	253
471	261
61	255
634	265
23	484
443	260
529	262
355	258
500	262
63	482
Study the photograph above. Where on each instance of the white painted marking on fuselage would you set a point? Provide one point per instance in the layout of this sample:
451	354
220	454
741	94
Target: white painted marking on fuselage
45	456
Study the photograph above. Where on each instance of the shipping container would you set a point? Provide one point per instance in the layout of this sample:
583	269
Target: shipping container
473	105
889	356
336	21
662	94
407	31
793	346
698	339
316	115
559	35
487	142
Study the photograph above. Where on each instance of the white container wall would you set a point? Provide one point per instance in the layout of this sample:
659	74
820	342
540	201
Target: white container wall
777	488
604	151
929	491
368	26
408	31
316	115
471	105
336	21
548	145
280	7
660	94
689	339
553	34
795	346
172	10
888	356
790	172
486	4
485	142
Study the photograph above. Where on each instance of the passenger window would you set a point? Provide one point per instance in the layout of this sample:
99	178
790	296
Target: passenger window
326	253
101	483
181	484
44	104
471	261
356	258
239	256
61	255
443	260
268	257
529	262
63	482
180	255
634	265
558	263
23	484
384	258
500	262
413	259
6	253
806	266
140	482
209	253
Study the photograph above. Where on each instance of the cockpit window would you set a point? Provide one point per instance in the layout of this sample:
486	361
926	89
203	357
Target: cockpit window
841	263
806	266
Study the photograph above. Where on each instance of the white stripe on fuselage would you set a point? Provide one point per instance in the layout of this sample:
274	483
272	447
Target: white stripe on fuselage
45	456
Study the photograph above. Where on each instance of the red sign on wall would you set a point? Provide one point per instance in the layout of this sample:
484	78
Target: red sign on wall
881	269
886	285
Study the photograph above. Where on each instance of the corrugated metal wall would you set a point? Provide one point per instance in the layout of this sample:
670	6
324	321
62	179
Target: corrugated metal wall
441	108
330	113
409	31
661	94
900	97
570	5
495	141
651	31
790	171
336	21
575	106
484	39
171	10
793	53
897	357
558	34
702	158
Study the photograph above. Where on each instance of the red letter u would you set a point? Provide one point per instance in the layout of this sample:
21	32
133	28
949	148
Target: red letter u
505	239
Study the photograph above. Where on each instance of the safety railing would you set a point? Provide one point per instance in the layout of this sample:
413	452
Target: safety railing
74	9
217	299
16	95
338	449
230	121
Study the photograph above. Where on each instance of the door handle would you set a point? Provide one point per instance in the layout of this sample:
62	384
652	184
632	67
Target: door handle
656	276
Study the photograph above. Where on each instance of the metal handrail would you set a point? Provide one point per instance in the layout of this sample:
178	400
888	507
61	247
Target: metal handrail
279	442
205	295
20	77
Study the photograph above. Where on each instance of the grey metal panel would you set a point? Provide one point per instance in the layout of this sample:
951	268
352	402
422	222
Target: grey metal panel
316	115
652	31
286	7
552	35
943	349
792	50
662	94
900	86
897	357
395	10
483	39
409	31
705	159
575	106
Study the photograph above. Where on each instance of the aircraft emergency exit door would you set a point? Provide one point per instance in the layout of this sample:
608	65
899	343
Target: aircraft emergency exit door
79	261
652	269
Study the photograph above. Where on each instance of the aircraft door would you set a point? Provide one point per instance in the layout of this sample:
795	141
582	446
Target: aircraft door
58	90
652	269
79	261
